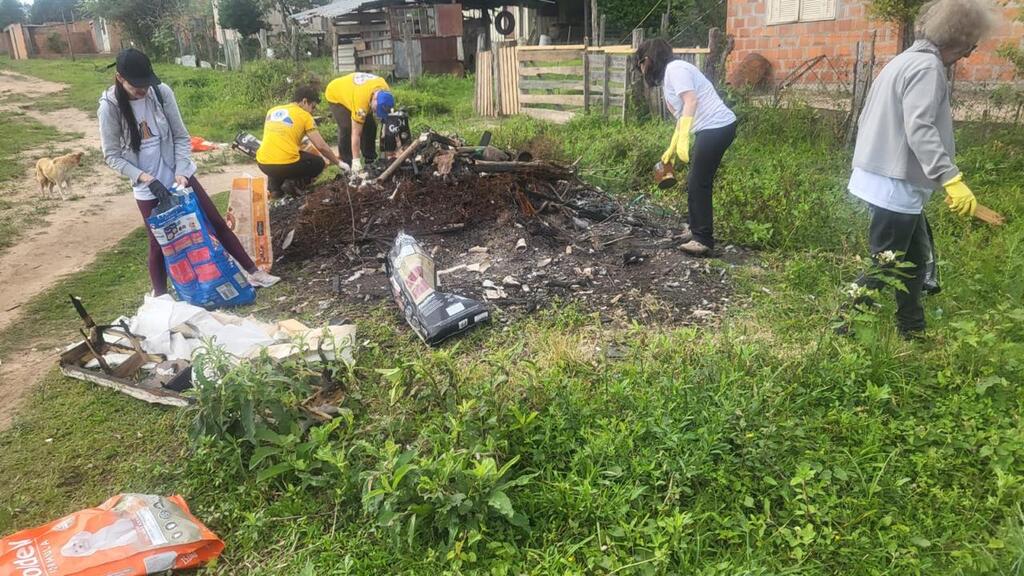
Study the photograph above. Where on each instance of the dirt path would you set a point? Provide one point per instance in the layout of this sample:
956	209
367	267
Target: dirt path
101	212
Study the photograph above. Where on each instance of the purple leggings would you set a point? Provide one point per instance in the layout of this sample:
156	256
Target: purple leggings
157	270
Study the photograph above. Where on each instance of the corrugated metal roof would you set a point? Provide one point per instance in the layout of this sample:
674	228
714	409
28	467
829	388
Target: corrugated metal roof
343	7
337	8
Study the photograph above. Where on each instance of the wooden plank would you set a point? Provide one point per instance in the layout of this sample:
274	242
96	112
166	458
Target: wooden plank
556	116
604	91
504	75
551	48
586	79
548	56
372	53
538	70
496	76
627	87
529	84
151	395
568	100
513	63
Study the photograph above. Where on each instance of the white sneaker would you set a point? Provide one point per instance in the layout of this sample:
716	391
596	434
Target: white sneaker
261	279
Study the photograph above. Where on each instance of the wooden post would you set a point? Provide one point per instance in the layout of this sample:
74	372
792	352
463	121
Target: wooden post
863	71
586	75
407	41
715	48
334	42
67	34
586	22
664	24
604	88
600	36
595	24
638	37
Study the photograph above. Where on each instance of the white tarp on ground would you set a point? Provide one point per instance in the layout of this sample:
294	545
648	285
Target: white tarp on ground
176	329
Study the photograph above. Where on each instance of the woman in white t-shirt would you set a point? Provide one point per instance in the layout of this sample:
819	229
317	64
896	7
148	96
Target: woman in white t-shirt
698	109
144	139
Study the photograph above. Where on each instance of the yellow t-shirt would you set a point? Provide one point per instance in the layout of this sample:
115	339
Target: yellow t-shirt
354	91
283	130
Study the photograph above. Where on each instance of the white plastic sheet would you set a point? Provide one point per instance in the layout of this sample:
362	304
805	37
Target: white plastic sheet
176	329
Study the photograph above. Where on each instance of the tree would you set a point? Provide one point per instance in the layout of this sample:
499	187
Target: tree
901	13
689	20
245	16
150	23
43	11
11	11
292	32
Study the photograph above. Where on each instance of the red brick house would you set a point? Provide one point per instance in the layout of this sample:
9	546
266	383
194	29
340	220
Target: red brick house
788	32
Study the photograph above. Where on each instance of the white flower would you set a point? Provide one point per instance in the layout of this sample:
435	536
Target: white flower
887	257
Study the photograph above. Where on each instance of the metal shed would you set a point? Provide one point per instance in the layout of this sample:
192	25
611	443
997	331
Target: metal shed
395	38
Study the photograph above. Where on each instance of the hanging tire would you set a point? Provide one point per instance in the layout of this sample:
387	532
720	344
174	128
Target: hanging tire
505	23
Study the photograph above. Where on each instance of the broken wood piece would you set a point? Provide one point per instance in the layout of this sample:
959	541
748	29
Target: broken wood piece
984	213
405	155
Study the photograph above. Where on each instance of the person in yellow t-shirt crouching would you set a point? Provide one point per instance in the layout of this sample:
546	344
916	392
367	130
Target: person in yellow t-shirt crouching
280	157
355	100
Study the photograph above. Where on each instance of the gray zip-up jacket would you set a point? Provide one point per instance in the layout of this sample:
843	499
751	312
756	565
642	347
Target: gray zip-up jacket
175	143
906	127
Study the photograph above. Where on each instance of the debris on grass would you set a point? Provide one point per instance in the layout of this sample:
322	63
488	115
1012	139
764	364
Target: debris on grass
559	239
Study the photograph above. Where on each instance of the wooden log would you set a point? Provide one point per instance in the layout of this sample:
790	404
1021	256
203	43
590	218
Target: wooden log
535	167
405	155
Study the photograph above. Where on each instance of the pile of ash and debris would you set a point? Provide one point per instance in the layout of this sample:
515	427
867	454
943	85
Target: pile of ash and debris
517	233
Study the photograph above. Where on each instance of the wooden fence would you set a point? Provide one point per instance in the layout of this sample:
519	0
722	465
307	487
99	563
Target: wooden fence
557	82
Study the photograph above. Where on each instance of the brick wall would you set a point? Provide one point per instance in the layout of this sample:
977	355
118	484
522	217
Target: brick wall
81	39
787	45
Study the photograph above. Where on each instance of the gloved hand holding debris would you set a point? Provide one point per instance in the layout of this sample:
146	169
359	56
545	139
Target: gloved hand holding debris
345	168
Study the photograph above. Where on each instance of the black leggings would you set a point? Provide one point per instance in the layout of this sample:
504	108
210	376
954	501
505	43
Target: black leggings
307	167
909	235
708	148
367	143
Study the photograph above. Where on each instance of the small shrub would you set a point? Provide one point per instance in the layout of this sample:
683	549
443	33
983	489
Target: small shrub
55	43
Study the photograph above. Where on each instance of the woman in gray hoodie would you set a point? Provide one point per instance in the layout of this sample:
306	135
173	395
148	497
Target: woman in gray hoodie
144	139
905	151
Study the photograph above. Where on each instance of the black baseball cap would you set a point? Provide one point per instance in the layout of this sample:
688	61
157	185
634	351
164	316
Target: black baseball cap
134	66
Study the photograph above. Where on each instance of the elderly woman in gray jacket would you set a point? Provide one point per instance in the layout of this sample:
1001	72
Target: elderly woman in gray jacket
905	150
145	140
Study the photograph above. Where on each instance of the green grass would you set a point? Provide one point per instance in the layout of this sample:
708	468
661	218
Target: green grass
21	133
766	445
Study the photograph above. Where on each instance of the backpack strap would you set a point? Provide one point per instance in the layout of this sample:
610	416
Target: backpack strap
159	95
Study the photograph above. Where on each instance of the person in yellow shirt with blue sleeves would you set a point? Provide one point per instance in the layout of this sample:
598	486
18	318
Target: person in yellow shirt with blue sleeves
357	101
280	155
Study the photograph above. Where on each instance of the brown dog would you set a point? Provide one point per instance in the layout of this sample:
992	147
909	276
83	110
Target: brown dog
55	172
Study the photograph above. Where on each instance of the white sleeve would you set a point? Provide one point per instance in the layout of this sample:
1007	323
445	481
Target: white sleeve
683	80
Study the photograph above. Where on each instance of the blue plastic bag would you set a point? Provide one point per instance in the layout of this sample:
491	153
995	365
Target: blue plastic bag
201	271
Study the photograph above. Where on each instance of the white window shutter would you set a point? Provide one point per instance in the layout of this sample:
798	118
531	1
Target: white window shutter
783	11
817	10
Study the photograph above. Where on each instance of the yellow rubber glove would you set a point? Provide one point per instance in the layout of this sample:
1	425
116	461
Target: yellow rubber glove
960	198
683	142
666	158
